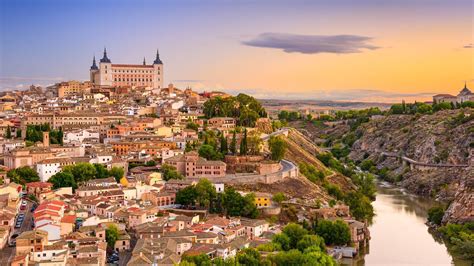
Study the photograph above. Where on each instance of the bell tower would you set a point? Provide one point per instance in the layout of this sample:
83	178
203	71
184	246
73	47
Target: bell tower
46	139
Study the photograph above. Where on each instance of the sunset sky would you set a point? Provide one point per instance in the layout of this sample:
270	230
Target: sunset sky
364	50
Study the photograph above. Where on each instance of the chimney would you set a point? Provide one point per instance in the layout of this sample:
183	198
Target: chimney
46	139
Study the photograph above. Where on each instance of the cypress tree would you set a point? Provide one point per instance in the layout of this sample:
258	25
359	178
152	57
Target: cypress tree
224	149
233	144
243	144
8	134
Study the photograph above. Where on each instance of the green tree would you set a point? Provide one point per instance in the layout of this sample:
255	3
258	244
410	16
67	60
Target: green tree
435	215
235	204
150	163
243	144
206	192
441	106
186	196
249	256
366	184
223	146
311	241
459	239
295	232
209	152
282	240
249	208
82	172
233	144
111	235
397	109
63	179
8	134
283	115
193	126
360	206
244	107
23	175
199	260
333	232
101	171
254	143
279	197
117	173
277	147
170	172
188	147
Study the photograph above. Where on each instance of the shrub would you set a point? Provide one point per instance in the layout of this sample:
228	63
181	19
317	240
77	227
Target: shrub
435	215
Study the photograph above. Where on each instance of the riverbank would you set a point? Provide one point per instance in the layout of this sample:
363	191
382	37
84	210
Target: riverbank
399	233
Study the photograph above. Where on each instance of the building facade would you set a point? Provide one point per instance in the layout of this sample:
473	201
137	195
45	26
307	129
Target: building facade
464	95
127	75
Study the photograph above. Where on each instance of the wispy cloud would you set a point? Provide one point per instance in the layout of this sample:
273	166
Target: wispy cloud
312	44
469	45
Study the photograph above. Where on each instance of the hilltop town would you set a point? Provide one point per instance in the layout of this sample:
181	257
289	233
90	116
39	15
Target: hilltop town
120	169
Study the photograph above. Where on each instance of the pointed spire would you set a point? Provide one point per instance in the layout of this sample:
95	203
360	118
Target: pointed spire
94	65
105	59
144	62
157	60
465	84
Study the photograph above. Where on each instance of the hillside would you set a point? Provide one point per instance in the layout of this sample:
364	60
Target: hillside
302	150
443	138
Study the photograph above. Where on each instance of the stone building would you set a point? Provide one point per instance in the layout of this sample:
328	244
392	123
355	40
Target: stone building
127	75
191	165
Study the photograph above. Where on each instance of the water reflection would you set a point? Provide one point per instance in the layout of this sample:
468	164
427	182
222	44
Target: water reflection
399	234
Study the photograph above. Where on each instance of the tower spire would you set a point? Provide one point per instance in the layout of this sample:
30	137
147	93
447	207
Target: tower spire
144	62
157	60
105	59
94	65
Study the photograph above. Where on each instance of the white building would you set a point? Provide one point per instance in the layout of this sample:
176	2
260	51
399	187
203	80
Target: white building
168	153
104	158
79	136
9	145
127	75
54	231
49	167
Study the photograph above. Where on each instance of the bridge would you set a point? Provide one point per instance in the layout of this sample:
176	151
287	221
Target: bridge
421	165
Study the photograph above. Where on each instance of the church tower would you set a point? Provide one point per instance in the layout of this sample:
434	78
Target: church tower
158	72
105	70
94	72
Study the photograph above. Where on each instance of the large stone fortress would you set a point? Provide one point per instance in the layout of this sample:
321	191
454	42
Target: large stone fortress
127	75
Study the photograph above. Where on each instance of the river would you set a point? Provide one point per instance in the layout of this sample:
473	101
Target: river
399	235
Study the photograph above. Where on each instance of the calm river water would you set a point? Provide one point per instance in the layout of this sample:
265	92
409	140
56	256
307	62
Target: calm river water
399	234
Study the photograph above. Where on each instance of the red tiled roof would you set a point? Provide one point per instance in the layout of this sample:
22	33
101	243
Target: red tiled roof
39	184
70	219
47	207
46	212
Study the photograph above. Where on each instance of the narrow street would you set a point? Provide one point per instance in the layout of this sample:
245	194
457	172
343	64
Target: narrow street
7	253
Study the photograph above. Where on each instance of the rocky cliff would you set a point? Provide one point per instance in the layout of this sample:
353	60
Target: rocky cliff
437	142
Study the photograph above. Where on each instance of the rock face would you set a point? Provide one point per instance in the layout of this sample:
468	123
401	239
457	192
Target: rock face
461	210
446	137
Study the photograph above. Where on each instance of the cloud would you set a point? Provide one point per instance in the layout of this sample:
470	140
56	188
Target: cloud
312	44
469	45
